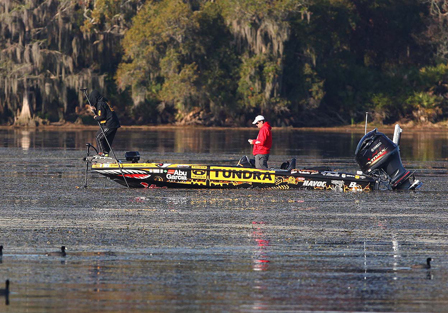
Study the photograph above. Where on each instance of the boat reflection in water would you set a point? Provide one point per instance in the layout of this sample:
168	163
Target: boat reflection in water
261	257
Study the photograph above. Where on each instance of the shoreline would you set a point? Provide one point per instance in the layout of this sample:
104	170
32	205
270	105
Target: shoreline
410	127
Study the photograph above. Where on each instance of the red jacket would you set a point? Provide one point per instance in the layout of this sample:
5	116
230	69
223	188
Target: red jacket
263	143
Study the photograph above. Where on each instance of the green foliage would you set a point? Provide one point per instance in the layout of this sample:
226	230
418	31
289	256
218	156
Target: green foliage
146	113
161	33
434	75
281	58
108	15
423	100
300	62
180	56
179	88
252	82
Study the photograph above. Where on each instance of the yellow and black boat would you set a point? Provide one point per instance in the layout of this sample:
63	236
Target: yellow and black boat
377	156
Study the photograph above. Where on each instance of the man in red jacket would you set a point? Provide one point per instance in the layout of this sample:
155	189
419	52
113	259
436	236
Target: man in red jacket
263	143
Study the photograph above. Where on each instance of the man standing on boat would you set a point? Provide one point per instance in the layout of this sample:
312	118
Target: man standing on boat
263	143
108	120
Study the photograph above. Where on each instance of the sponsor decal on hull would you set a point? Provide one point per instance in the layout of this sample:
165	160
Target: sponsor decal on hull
199	174
307	172
246	175
315	183
176	175
293	180
155	170
332	174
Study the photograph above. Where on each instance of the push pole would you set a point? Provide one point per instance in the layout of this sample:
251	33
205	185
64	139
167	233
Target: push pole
104	134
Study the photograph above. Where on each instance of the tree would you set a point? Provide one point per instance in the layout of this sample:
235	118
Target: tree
45	54
169	60
261	29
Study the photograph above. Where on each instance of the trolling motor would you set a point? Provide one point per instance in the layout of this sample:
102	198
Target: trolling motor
376	154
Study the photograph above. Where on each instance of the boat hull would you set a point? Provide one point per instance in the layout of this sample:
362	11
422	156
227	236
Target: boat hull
163	175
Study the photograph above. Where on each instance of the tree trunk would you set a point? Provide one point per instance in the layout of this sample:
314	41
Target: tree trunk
25	118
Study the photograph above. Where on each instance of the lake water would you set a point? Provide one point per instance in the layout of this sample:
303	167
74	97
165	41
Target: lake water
163	250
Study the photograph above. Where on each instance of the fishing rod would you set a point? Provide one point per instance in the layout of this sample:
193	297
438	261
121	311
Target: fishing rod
105	137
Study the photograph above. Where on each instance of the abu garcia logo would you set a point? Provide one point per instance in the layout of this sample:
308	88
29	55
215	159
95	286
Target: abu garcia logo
176	175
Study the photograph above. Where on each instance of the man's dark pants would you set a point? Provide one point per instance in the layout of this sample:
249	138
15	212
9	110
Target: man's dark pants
261	161
101	140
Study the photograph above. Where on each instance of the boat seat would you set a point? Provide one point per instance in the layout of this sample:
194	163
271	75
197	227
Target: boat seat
246	162
289	165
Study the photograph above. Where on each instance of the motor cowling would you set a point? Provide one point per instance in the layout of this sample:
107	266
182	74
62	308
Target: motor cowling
376	151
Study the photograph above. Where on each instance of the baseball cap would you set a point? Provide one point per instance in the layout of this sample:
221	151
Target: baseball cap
258	118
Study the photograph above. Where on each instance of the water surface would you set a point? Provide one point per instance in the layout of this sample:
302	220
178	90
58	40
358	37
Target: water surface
165	250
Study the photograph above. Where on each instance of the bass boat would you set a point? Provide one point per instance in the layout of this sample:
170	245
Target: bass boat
377	156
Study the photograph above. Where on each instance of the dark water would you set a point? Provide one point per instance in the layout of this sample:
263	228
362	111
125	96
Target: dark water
417	145
165	250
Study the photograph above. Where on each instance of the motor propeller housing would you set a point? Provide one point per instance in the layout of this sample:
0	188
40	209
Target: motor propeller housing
375	151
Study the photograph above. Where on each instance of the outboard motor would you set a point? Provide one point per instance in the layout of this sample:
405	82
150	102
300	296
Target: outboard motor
376	151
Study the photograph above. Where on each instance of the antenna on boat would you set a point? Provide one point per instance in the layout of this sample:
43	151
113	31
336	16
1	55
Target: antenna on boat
104	134
365	128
